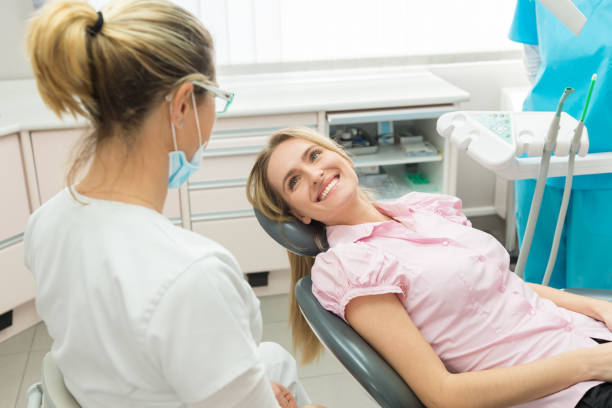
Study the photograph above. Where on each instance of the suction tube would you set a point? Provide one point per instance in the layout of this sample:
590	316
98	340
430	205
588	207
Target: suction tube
567	189
536	202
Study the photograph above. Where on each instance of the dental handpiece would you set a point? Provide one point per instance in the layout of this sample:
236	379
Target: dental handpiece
536	202
568	187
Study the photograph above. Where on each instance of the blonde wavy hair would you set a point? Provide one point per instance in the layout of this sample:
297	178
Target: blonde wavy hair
144	50
266	199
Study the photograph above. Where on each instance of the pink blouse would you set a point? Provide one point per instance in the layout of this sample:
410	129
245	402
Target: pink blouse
456	285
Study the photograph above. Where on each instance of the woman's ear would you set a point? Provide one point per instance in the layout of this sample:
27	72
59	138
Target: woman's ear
304	219
181	103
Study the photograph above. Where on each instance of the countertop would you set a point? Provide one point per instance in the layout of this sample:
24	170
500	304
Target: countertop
21	107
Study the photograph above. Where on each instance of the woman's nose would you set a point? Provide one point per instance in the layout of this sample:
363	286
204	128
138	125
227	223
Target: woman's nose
316	175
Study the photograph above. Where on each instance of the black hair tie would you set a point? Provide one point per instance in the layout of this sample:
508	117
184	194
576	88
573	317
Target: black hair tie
95	29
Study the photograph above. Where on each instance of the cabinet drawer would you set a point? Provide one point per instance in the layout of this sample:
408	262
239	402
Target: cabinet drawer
214	200
225	166
247	241
14	204
16	281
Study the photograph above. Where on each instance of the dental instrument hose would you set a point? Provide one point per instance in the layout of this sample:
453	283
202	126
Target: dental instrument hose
536	202
567	189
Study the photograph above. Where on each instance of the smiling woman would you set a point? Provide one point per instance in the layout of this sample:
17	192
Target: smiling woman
434	296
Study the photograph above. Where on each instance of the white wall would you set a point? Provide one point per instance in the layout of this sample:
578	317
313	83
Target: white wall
13	17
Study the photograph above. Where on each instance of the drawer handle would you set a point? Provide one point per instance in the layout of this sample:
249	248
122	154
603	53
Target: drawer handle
206	185
222	215
237	151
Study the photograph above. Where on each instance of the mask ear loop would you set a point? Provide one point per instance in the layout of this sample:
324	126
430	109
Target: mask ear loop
195	111
172	128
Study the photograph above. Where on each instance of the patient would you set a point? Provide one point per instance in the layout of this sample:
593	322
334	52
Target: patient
434	296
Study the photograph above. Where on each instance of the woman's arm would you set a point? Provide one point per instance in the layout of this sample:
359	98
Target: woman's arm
596	308
399	341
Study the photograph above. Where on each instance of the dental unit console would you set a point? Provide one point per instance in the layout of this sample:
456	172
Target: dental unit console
496	139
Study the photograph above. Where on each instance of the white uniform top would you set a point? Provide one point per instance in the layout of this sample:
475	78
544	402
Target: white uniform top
143	313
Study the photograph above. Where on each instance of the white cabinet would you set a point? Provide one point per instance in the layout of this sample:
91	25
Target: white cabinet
14	202
16	282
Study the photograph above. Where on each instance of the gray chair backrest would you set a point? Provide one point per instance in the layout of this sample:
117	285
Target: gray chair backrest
378	378
364	363
296	236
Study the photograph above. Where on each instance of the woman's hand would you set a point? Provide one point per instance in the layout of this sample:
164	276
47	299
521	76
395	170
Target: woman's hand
283	396
600	362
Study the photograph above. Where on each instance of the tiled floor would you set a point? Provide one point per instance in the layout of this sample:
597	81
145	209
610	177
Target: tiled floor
20	360
21	356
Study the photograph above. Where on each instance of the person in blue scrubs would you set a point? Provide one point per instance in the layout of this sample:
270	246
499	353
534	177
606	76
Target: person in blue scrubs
560	59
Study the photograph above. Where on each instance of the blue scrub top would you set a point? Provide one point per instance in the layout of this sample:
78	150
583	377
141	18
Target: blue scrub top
568	60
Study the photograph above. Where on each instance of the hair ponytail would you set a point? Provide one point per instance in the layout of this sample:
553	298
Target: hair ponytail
57	45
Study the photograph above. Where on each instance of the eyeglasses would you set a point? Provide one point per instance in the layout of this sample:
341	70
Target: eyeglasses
223	99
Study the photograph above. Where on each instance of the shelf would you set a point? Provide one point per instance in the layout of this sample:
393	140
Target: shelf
389	155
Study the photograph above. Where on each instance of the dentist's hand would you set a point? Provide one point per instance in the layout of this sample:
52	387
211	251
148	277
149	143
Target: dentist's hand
283	396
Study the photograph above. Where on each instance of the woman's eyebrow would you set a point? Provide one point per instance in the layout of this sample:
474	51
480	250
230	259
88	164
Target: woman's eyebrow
304	158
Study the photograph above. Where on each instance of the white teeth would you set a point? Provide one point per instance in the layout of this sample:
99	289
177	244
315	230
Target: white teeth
328	188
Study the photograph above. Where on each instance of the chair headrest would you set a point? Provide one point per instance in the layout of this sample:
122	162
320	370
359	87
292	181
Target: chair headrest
294	235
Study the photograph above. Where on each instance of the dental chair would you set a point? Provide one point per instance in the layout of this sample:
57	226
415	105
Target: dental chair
51	392
364	363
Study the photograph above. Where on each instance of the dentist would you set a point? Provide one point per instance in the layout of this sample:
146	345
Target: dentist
142	313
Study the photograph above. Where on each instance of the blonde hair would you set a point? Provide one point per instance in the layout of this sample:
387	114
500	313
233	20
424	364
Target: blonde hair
144	50
263	197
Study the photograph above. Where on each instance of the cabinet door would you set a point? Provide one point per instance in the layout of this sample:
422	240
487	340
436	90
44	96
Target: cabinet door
14	202
16	282
52	151
247	241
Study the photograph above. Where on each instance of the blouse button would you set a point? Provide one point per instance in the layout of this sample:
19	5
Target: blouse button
445	243
501	288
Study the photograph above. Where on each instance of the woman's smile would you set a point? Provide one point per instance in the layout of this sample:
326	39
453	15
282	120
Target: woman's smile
327	187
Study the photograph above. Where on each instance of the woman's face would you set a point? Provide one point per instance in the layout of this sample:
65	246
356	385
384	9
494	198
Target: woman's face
315	182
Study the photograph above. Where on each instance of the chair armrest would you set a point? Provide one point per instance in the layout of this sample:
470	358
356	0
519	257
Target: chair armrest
364	363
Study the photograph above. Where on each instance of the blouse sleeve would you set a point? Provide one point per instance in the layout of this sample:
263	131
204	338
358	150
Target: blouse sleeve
349	271
445	205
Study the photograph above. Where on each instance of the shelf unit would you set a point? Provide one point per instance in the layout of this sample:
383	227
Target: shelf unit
390	158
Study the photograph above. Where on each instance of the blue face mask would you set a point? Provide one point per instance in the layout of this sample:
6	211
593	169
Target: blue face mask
180	168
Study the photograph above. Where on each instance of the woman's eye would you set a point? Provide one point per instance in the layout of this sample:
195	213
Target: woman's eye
315	153
292	182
